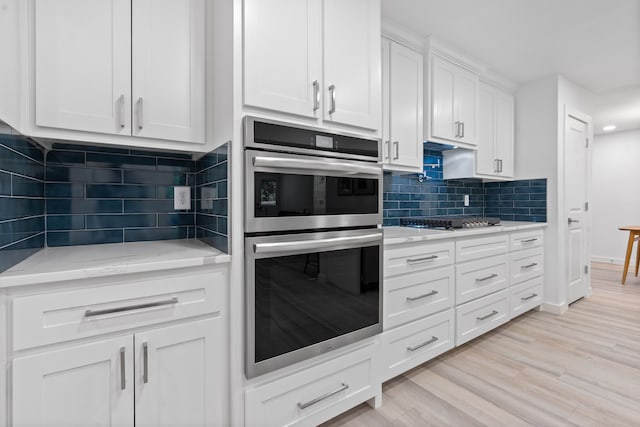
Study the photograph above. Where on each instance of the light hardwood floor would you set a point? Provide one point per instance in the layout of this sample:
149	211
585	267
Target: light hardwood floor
579	369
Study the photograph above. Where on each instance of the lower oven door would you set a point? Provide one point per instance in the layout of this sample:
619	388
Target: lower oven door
309	293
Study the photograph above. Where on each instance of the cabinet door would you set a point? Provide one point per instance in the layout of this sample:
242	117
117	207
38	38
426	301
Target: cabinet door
81	385
442	106
168	87
486	162
179	375
352	77
82	55
466	104
282	55
405	105
504	130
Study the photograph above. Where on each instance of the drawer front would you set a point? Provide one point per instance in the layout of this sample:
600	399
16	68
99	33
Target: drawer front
477	317
526	296
314	395
125	303
482	247
478	278
526	239
417	257
412	296
410	345
526	265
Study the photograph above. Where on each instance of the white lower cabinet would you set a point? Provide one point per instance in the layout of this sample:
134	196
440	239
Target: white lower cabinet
525	296
477	317
481	277
314	395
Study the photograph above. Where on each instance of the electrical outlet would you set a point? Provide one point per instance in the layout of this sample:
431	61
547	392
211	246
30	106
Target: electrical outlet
181	198
466	200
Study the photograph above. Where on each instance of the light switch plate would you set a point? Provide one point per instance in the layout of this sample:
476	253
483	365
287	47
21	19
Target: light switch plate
466	200
181	198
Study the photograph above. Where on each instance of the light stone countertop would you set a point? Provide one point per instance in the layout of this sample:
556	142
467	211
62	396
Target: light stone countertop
399	235
79	262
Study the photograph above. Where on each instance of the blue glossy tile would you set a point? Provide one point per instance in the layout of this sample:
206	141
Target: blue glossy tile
147	234
24	146
82	206
390	205
119	221
538	196
67	158
27	187
215	240
90	148
220	207
5	183
82	175
153	177
206	162
14	208
165	154
176	219
11	161
176	165
409	205
101	160
389	222
65	222
13	254
223	225
209	222
148	206
83	237
530	189
120	191
64	190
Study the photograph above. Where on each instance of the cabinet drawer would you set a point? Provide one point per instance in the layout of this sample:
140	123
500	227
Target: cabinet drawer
477	317
124	303
482	247
417	257
410	345
412	296
526	239
314	395
526	296
526	265
478	278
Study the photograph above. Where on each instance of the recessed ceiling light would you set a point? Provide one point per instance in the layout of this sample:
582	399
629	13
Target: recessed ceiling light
609	127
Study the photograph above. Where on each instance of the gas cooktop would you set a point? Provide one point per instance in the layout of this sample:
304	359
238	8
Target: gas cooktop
450	222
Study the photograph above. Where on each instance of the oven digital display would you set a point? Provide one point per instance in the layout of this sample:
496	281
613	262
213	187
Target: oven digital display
325	142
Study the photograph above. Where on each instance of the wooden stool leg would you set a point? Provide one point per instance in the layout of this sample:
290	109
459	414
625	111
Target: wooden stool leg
637	256
626	259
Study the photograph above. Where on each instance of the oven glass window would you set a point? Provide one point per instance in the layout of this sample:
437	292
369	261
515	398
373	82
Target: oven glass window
281	195
305	299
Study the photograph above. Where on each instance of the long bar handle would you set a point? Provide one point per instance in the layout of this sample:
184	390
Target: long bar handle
121	111
572	221
533	264
314	165
417	346
530	240
397	145
145	362
93	313
496	165
316	95
493	313
529	297
387	150
457	125
423	259
462	133
123	373
422	296
140	113
483	279
343	387
332	91
314	244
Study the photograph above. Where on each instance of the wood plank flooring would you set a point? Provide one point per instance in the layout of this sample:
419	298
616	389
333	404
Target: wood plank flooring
578	369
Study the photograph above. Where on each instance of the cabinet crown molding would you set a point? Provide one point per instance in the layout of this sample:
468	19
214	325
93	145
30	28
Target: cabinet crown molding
436	46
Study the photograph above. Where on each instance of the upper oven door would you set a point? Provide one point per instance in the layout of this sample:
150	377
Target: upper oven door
295	192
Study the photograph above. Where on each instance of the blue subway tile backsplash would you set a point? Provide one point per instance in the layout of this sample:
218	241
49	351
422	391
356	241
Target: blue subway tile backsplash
212	200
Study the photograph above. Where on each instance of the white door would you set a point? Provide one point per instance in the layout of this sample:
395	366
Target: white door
282	55
405	107
576	186
77	386
168	55
504	133
179	376
82	55
466	105
486	162
351	54
442	111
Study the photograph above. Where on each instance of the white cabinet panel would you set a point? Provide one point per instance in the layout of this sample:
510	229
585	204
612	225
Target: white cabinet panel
417	257
504	133
526	264
525	296
82	65
526	239
442	99
168	69
477	317
466	105
88	384
481	247
475	279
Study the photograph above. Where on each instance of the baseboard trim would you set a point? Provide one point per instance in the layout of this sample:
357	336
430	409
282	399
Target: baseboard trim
557	309
606	260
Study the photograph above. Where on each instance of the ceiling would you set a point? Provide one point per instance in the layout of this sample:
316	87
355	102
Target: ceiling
594	43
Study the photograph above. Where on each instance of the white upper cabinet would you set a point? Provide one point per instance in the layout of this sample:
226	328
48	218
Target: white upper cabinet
402	114
453	103
82	65
318	59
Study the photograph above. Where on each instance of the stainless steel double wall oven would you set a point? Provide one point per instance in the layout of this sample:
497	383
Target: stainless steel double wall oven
313	245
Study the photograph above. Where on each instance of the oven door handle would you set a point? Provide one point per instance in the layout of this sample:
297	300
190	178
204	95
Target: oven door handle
334	166
303	245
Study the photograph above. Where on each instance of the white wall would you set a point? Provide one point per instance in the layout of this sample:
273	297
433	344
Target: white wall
615	200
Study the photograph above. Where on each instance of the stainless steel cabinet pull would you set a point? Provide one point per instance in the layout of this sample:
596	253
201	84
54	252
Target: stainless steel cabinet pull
422	296
530	240
92	313
397	145
304	405
140	113
415	347
121	111
572	221
316	95
496	165
462	133
123	374
304	245
145	363
493	313
501	166
332	91
457	125
423	259
491	276
533	264
529	297
387	149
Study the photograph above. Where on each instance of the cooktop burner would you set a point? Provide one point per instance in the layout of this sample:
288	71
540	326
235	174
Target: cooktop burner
449	222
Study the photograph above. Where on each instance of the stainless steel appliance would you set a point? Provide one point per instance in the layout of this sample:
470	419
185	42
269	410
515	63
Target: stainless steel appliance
313	246
449	222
